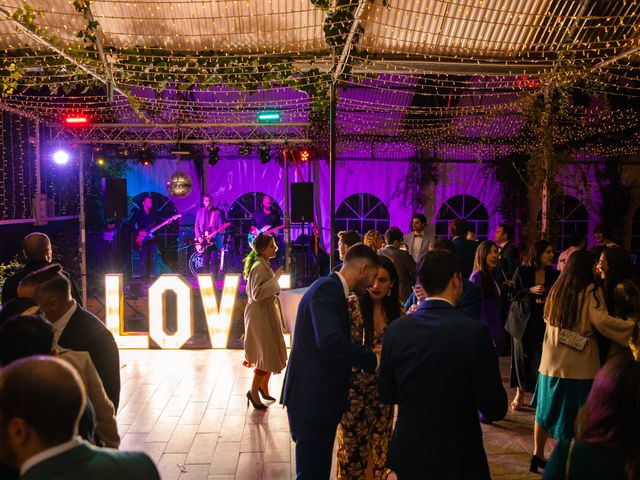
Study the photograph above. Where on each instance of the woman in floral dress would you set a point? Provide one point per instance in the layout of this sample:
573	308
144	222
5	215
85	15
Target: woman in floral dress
365	429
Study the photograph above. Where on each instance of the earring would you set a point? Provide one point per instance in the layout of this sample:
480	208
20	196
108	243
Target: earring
389	293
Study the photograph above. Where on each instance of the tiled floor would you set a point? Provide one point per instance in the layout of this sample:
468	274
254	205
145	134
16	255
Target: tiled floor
187	409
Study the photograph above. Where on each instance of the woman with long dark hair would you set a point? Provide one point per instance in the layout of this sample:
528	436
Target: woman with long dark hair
614	266
484	264
532	282
574	310
264	347
606	442
365	429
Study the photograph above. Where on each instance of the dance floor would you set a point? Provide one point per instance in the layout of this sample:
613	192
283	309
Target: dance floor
187	409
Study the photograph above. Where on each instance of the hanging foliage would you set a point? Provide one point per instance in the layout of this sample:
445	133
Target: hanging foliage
512	174
413	188
615	197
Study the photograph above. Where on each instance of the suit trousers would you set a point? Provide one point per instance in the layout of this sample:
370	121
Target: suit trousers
314	447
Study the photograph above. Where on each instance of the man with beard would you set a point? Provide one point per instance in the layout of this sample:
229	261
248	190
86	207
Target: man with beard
322	357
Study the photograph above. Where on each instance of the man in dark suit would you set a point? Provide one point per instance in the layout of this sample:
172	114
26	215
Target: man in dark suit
508	261
346	240
36	248
441	368
322	357
77	329
404	263
465	249
41	442
416	240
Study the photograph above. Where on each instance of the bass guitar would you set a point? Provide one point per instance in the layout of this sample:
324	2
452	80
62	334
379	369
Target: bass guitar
266	230
203	242
145	236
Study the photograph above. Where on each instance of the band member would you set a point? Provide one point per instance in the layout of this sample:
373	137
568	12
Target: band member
209	220
142	220
265	215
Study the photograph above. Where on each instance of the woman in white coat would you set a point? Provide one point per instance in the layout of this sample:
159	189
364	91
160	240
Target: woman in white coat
264	347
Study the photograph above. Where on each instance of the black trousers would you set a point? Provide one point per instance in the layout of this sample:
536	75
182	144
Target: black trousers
147	260
314	447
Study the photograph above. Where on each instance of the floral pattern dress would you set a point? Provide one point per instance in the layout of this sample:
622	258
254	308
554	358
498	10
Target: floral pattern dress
365	429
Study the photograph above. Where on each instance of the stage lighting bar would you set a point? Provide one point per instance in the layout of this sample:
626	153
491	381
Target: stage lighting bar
76	120
268	117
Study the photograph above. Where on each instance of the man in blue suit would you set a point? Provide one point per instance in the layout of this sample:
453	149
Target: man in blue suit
465	249
322	358
441	369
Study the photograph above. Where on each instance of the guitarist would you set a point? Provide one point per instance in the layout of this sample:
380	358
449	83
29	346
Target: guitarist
264	216
209	219
142	220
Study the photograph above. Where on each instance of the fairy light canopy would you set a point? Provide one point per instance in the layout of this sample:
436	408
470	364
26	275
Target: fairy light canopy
424	72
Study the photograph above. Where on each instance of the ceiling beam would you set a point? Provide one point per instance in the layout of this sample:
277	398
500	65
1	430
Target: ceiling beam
42	41
346	49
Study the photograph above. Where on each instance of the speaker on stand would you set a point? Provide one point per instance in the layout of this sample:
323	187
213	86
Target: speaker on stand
114	200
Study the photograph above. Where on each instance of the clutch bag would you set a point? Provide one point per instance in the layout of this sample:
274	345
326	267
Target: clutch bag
572	339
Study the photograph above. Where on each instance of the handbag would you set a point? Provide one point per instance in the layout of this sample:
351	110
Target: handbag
572	339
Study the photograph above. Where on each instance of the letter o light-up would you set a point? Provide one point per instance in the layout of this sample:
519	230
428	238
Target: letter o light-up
183	311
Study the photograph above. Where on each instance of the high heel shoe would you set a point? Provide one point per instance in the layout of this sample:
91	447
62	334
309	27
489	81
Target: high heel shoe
536	462
256	405
265	396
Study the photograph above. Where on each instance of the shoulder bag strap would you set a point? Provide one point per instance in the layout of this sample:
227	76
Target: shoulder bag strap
567	467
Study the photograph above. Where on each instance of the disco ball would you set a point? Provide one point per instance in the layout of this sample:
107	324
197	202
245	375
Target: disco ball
179	184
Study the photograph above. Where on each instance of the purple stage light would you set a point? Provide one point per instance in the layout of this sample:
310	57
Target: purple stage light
61	157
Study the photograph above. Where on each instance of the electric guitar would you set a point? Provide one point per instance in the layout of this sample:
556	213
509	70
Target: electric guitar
145	236
203	242
266	230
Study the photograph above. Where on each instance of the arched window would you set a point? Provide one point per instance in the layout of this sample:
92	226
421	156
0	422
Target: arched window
635	236
362	212
467	207
567	215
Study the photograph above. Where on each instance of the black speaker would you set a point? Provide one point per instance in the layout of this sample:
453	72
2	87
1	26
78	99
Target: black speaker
114	197
302	202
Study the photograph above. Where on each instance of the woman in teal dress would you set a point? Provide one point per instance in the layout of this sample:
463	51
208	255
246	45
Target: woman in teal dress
574	311
365	429
606	444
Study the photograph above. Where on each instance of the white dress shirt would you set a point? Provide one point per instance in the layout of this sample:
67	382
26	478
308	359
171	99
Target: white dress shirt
60	324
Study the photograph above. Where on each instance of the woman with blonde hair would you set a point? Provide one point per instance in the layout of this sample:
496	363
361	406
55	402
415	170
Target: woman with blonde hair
374	240
264	347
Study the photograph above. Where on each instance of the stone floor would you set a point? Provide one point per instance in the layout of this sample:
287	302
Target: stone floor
187	409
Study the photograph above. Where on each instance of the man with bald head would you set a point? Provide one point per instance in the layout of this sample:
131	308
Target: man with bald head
36	248
42	442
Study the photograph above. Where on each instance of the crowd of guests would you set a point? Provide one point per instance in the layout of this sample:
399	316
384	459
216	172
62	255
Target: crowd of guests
404	320
60	380
419	323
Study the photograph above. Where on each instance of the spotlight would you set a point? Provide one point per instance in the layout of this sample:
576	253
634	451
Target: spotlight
305	155
146	157
213	155
101	160
61	157
264	151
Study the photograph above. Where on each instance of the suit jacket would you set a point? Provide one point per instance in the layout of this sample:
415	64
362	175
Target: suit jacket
85	332
322	355
405	267
88	462
508	261
466	254
408	240
441	368
10	286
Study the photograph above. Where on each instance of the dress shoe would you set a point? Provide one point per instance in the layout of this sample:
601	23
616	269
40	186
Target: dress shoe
256	405
265	396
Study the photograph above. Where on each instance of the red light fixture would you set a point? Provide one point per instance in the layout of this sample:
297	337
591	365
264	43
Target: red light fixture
304	155
76	120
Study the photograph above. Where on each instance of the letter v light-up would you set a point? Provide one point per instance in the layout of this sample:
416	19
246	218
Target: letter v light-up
218	319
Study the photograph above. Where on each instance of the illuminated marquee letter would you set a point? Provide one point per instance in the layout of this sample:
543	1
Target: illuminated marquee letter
218	319
114	315
184	312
